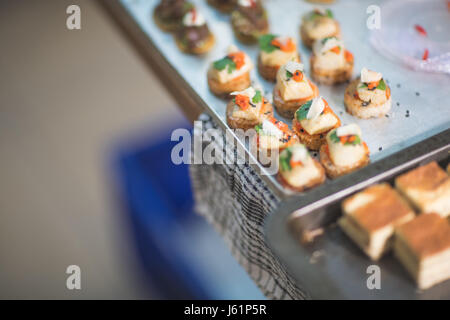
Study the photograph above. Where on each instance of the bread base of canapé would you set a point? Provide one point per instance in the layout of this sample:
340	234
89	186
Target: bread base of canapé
265	156
311	141
331	77
334	171
225	7
224	89
167	26
269	72
287	108
311	183
245	124
355	107
244	37
204	47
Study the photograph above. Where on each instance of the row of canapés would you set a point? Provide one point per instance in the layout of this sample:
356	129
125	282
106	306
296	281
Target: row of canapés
315	126
249	21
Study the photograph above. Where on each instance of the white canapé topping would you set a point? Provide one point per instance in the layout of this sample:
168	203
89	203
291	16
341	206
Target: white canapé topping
232	48
284	39
299	153
249	92
270	129
246	3
293	66
370	76
324	45
351	129
316	108
193	18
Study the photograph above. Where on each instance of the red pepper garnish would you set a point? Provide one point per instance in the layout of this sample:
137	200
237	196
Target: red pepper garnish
327	108
348	56
388	92
349	138
238	59
298	76
295	163
288	46
372	85
366	148
327	150
280	125
420	30
242	101
425	54
336	49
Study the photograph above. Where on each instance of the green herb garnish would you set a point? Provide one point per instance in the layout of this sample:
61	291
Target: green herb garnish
258	128
363	85
302	112
356	141
334	138
285	160
381	85
257	97
329	13
289	74
324	40
224	63
265	43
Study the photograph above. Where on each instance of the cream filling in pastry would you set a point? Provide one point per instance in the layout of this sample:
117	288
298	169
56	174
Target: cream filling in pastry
319	124
269	142
370	76
320	27
302	174
376	96
278	57
346	154
291	89
326	59
253	112
223	76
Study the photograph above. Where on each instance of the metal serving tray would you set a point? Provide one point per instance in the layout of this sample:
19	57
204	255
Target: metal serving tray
426	96
332	266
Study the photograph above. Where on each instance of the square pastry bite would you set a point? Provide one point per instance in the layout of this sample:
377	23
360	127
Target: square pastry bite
423	247
370	217
427	188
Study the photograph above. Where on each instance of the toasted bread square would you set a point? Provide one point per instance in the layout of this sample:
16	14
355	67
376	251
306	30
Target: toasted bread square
427	188
423	247
371	215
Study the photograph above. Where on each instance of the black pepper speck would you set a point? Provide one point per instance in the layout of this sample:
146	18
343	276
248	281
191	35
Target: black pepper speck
398	104
398	85
380	148
417	93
